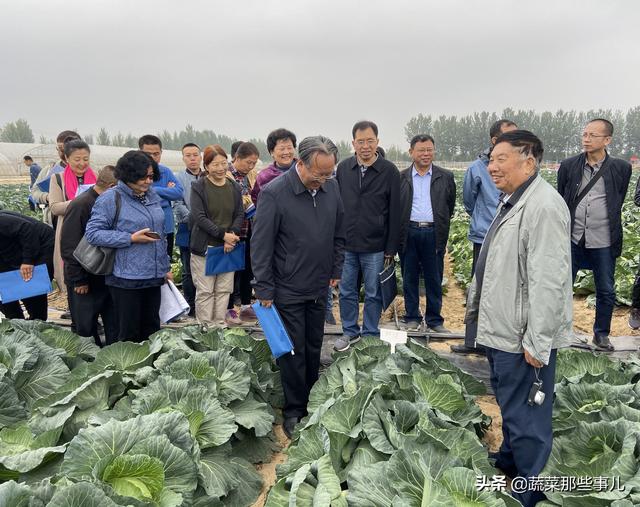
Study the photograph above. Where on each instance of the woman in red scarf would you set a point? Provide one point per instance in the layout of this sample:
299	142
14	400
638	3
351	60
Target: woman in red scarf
75	179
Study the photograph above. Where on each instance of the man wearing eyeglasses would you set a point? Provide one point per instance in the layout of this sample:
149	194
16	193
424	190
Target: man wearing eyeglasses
594	186
298	243
428	199
370	188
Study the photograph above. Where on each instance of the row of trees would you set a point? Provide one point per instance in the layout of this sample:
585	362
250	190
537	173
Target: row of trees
463	137
458	138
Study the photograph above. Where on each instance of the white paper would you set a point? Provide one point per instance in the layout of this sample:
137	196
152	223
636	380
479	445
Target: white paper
172	303
393	337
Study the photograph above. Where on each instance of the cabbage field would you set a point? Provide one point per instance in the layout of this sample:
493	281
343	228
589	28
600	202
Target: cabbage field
178	420
184	418
181	420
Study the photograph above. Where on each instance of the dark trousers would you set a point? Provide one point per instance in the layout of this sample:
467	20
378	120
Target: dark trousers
304	321
37	306
476	254
420	255
137	311
242	288
170	238
635	294
188	287
526	429
603	264
85	309
471	328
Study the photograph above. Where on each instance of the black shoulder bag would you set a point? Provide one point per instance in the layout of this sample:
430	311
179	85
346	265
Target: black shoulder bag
97	260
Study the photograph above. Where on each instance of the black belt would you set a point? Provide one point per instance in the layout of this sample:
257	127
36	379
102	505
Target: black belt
420	224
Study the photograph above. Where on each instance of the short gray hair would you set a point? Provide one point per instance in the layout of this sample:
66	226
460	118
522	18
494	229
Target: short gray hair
309	147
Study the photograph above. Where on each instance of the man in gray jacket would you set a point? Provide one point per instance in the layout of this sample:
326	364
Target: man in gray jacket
521	299
297	252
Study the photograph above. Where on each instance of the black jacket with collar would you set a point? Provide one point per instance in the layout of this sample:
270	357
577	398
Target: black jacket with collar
616	174
371	205
200	223
298	239
443	203
75	223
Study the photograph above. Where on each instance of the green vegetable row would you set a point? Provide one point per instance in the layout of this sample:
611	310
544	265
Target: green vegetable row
178	420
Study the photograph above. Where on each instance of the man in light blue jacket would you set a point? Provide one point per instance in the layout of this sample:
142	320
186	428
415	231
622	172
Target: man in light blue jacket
167	187
480	197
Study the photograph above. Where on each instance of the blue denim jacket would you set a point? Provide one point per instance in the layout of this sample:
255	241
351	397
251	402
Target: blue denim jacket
134	261
480	197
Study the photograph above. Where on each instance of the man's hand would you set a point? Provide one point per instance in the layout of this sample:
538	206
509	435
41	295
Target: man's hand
169	276
26	270
334	282
532	360
171	184
266	303
228	247
81	289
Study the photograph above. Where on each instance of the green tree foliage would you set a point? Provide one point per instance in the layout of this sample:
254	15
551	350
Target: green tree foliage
463	137
103	138
344	149
17	131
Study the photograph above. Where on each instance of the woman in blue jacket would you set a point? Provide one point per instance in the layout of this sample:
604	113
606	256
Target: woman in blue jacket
141	262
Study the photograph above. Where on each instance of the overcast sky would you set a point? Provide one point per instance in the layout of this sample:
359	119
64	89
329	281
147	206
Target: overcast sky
243	68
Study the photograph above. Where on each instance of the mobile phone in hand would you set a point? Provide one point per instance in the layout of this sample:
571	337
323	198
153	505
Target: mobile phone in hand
152	234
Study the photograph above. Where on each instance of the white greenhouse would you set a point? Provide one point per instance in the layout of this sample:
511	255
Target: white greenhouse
45	155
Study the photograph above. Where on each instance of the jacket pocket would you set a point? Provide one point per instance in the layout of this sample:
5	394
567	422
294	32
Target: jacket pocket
521	321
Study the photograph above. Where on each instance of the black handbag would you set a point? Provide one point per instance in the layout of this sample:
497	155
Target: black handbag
97	260
388	284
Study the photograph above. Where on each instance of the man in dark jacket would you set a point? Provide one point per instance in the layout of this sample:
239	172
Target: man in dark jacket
428	200
88	295
24	243
298	239
594	186
370	189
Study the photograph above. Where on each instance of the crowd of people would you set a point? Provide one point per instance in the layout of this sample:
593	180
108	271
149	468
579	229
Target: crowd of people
310	223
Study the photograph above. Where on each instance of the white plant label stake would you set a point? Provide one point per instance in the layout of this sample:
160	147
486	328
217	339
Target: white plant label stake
393	337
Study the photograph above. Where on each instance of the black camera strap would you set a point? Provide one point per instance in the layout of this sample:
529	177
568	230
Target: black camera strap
594	179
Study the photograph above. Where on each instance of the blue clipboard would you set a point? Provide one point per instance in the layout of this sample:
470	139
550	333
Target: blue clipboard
14	288
218	262
274	330
45	184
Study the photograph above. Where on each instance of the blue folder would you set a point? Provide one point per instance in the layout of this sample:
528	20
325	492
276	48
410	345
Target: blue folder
182	236
14	288
45	184
250	212
274	331
218	262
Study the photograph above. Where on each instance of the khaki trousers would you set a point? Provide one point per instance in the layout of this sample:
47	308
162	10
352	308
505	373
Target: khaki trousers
212	292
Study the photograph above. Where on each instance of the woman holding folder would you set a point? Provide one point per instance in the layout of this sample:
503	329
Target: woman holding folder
216	219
